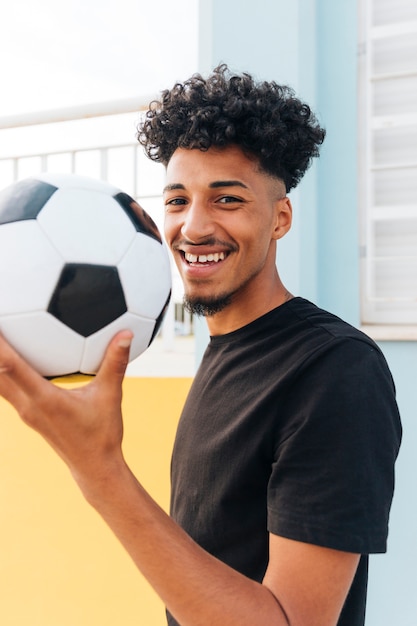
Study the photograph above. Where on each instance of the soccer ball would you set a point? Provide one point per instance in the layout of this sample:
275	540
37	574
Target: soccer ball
79	261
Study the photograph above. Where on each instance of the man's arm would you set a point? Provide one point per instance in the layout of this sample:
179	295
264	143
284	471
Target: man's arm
304	585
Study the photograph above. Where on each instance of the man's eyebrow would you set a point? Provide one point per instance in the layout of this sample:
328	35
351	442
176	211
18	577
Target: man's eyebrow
216	184
172	187
226	183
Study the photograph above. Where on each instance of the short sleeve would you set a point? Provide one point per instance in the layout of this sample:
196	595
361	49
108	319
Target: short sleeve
333	473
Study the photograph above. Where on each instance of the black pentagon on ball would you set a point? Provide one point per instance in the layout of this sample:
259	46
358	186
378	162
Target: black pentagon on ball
138	216
160	319
24	200
87	297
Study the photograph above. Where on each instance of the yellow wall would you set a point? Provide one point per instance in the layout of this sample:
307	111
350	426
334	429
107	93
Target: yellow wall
59	564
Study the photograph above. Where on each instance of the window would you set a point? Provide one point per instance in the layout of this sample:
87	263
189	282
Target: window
388	164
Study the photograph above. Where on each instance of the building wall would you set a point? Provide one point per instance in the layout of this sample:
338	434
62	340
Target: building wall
312	46
59	563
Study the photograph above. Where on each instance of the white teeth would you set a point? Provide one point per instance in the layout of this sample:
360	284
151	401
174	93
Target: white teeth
205	258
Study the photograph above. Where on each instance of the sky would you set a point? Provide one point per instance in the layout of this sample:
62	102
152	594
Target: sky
57	53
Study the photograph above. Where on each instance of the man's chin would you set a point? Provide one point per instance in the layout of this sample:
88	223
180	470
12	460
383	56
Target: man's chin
206	307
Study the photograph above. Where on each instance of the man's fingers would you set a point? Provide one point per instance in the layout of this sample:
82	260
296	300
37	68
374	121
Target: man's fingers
18	380
38	401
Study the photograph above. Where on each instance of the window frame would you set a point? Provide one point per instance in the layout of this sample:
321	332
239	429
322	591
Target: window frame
399	323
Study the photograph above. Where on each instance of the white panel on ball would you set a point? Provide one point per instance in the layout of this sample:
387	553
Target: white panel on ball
29	268
87	226
149	300
95	345
47	344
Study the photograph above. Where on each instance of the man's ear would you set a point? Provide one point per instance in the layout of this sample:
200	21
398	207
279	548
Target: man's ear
283	217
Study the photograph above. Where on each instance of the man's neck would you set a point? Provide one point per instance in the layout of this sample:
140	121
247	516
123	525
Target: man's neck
234	316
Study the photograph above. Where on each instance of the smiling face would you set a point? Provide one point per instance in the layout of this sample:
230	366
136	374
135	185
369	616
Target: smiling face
222	219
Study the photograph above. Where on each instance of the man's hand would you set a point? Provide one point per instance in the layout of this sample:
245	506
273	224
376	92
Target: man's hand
83	425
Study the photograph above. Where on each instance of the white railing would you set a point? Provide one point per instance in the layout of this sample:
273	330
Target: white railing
83	111
69	132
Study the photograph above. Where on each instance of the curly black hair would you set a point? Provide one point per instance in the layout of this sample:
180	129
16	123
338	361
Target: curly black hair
264	119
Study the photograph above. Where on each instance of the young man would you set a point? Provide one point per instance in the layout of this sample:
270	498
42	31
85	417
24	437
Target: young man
283	464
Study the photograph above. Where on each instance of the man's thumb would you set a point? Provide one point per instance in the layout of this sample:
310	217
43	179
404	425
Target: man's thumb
116	357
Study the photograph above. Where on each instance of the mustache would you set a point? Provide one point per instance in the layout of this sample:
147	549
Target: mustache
209	241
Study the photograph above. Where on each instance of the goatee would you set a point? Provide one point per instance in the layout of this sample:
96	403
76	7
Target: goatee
208	307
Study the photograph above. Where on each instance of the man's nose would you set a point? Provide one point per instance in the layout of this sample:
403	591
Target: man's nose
198	223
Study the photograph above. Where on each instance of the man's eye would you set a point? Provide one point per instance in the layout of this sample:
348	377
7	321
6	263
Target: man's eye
228	199
174	202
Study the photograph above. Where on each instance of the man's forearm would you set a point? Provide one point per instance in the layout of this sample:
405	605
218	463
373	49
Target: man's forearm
196	587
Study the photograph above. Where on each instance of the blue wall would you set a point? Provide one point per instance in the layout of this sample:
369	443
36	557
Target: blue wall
337	250
312	46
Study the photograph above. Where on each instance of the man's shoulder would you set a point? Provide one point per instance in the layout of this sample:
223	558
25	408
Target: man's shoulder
326	322
319	336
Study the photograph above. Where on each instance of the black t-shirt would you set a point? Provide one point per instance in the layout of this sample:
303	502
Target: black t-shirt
290	427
